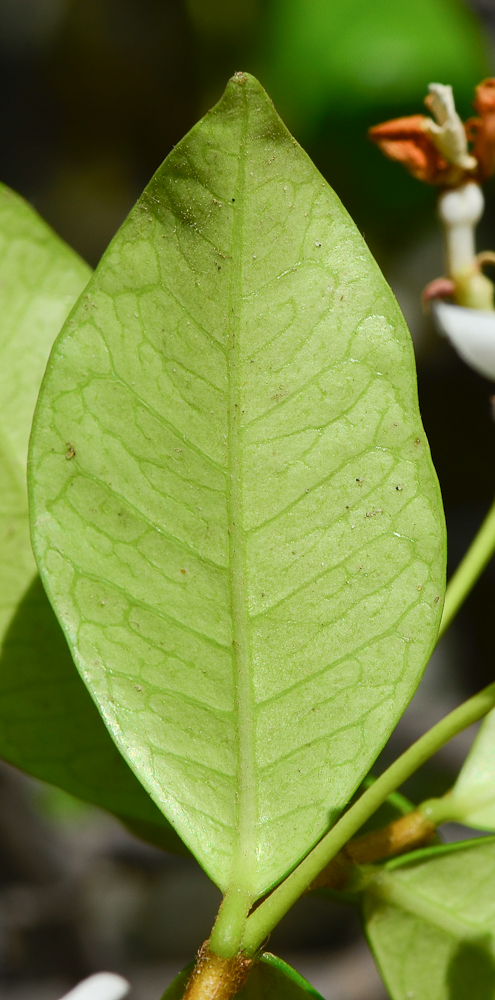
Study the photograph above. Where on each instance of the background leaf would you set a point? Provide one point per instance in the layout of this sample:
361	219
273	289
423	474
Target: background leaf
474	790
40	280
49	725
51	728
333	56
270	979
437	942
335	67
247	549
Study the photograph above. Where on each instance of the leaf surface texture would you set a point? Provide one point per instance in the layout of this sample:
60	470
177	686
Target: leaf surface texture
247	548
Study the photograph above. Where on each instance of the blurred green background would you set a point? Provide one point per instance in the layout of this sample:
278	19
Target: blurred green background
93	95
95	92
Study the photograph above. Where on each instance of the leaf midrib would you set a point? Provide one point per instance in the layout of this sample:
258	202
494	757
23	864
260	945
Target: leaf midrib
243	874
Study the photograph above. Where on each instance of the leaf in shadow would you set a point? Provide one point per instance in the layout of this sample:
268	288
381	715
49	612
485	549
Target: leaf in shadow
430	922
51	728
471	972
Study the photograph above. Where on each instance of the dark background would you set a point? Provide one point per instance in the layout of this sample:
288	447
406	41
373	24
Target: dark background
93	95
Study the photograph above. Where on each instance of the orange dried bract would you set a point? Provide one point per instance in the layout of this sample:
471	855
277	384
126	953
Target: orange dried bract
405	140
481	131
484	100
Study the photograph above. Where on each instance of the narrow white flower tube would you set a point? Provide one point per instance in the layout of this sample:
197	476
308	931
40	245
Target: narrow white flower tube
101	986
460	210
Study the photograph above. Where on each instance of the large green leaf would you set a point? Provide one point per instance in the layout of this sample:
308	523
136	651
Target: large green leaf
49	725
246	550
473	794
269	979
430	920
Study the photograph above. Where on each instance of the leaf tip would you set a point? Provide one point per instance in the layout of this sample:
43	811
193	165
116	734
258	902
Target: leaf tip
240	78
246	80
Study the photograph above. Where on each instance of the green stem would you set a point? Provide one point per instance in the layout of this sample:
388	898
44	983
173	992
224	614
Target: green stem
228	929
456	807
471	567
440	811
271	911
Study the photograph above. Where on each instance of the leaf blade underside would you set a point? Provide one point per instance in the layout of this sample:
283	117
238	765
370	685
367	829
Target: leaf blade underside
49	725
247	550
434	939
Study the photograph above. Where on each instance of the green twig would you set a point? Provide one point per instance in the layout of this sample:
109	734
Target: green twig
271	911
228	928
471	567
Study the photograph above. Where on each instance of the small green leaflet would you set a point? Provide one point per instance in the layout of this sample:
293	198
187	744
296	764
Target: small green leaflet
473	795
49	725
269	979
430	921
247	550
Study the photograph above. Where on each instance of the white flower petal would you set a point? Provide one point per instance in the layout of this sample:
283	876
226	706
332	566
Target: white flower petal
471	332
101	986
